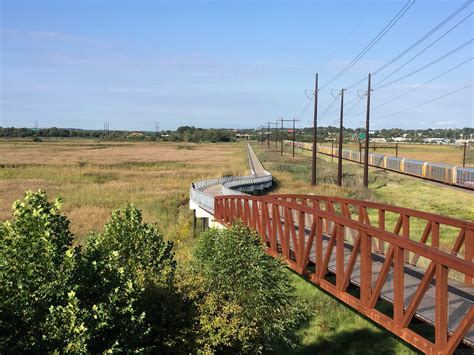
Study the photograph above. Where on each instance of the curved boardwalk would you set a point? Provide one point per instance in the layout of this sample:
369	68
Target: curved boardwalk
391	275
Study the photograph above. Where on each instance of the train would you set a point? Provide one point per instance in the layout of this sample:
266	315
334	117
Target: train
447	174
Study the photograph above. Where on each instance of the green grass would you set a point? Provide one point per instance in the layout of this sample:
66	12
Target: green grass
335	328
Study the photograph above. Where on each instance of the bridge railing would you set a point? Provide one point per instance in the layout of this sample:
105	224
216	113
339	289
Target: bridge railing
448	234
307	237
229	183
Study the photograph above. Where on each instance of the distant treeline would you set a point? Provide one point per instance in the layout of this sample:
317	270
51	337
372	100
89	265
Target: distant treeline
195	135
182	134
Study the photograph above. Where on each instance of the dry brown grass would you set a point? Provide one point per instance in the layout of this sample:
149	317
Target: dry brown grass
95	178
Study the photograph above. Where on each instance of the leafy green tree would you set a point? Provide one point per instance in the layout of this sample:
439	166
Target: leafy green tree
36	269
126	277
246	303
117	294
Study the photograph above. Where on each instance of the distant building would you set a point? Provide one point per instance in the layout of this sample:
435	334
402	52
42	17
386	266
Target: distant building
243	135
436	140
400	139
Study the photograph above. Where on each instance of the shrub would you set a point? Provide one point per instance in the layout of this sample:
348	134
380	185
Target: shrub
36	270
115	295
247	303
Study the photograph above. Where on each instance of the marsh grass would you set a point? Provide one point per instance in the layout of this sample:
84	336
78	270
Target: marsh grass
96	178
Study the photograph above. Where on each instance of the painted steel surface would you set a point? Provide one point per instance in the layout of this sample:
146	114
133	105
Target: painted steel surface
320	236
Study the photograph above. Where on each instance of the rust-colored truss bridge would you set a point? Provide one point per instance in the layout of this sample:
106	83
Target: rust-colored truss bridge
399	267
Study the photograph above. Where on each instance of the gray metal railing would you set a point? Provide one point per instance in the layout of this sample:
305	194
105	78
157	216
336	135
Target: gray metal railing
229	183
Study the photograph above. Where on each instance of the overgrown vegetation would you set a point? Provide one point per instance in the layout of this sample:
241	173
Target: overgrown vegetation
122	292
116	294
246	298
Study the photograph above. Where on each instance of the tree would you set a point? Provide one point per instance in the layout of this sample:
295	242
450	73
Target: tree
117	294
36	270
246	300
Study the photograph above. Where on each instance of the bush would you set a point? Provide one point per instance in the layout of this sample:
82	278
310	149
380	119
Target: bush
246	303
36	270
117	294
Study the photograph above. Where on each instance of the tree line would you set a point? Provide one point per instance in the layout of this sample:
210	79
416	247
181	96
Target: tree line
182	134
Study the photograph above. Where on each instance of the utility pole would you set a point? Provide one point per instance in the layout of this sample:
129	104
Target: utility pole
464	155
315	133
341	137
366	151
269	132
276	133
332	149
281	143
294	135
268	135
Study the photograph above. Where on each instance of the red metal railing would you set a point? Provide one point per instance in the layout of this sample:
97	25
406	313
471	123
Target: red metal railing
327	242
445	233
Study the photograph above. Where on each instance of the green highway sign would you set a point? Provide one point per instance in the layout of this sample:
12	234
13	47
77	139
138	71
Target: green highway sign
361	135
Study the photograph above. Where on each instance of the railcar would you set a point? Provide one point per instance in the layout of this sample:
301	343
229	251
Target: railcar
439	172
413	167
464	177
459	176
355	156
393	163
377	160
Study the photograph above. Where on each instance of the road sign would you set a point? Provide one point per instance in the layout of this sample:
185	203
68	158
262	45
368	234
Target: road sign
361	135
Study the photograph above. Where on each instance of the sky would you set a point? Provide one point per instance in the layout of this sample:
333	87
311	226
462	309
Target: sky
230	64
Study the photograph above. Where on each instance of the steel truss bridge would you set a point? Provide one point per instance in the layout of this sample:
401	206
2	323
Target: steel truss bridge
390	264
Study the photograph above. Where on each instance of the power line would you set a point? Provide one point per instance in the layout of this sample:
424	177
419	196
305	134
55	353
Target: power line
417	87
425	103
377	38
424	49
305	108
422	39
426	65
416	43
323	115
425	83
328	107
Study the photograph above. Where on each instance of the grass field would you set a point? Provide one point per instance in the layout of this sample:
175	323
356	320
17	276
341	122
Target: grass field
94	178
446	154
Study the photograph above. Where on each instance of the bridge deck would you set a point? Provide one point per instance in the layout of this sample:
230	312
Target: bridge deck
255	165
460	297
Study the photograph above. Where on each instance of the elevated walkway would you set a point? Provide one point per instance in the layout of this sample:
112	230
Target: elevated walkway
203	192
390	264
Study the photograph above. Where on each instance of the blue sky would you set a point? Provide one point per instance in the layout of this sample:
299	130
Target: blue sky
223	63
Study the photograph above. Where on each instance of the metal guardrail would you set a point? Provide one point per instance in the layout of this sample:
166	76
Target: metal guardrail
229	183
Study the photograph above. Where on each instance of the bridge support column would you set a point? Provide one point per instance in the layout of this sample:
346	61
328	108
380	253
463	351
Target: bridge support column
194	220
